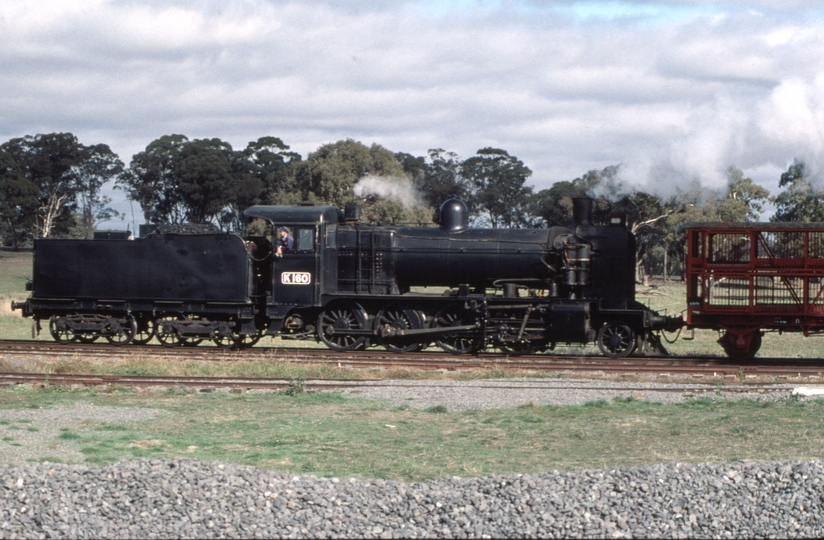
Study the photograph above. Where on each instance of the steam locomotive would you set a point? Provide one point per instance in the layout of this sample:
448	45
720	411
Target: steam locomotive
351	286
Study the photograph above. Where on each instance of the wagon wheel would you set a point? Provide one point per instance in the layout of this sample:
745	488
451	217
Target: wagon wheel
454	343
334	323
166	333
145	332
125	330
60	333
616	340
398	318
737	354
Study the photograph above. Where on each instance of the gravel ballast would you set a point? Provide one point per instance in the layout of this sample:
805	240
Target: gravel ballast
510	393
191	498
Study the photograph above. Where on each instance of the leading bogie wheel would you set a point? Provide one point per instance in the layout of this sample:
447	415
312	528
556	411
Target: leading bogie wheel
616	340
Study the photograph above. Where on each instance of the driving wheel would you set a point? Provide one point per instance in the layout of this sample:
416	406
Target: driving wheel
458	343
335	326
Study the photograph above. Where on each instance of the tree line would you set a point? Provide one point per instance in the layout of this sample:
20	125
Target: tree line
52	185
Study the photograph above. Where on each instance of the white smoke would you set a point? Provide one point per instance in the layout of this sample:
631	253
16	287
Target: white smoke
389	187
792	121
762	136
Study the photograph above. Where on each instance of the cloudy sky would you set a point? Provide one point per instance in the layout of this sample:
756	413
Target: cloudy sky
567	86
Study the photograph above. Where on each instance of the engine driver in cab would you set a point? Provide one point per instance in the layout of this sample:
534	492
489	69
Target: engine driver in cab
286	243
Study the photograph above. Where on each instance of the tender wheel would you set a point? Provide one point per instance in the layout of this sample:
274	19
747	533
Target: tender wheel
231	341
454	343
60	331
249	340
166	333
190	341
124	331
226	342
335	323
728	342
616	340
145	332
397	318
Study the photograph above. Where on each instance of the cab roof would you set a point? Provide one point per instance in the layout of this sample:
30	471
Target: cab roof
293	214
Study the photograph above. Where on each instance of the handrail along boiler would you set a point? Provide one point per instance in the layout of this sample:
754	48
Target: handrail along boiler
351	285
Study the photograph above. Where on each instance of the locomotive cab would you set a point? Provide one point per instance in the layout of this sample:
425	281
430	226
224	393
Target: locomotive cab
298	277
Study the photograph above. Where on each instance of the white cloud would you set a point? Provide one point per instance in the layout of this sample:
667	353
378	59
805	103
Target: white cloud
694	86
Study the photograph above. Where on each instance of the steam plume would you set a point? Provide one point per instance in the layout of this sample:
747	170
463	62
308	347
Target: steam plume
389	187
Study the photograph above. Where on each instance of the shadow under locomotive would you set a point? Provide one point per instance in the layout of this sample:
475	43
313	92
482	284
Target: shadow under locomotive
351	286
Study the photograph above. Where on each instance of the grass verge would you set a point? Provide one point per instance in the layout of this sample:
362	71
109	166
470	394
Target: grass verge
332	435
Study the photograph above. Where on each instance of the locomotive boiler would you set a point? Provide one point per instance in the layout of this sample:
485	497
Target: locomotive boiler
351	285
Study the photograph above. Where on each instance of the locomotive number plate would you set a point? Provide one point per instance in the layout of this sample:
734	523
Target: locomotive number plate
296	278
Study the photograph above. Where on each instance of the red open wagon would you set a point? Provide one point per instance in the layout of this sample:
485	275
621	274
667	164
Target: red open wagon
745	278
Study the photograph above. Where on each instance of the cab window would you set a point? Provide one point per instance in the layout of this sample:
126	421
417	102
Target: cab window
305	239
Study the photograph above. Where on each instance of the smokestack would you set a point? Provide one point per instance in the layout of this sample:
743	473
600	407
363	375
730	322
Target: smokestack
352	212
582	211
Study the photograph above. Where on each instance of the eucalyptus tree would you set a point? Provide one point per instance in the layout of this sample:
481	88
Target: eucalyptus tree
177	180
210	175
99	166
18	200
50	162
801	199
69	178
152	180
498	193
443	178
274	165
329	173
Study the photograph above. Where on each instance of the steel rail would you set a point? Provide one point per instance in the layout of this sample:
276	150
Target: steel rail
426	361
67	379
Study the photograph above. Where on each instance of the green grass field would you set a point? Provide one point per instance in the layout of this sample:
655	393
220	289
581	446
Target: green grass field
15	271
332	435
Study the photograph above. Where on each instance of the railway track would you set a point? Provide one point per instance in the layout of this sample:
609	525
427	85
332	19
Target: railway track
426	360
206	384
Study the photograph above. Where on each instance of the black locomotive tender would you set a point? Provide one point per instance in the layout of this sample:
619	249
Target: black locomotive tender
352	286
